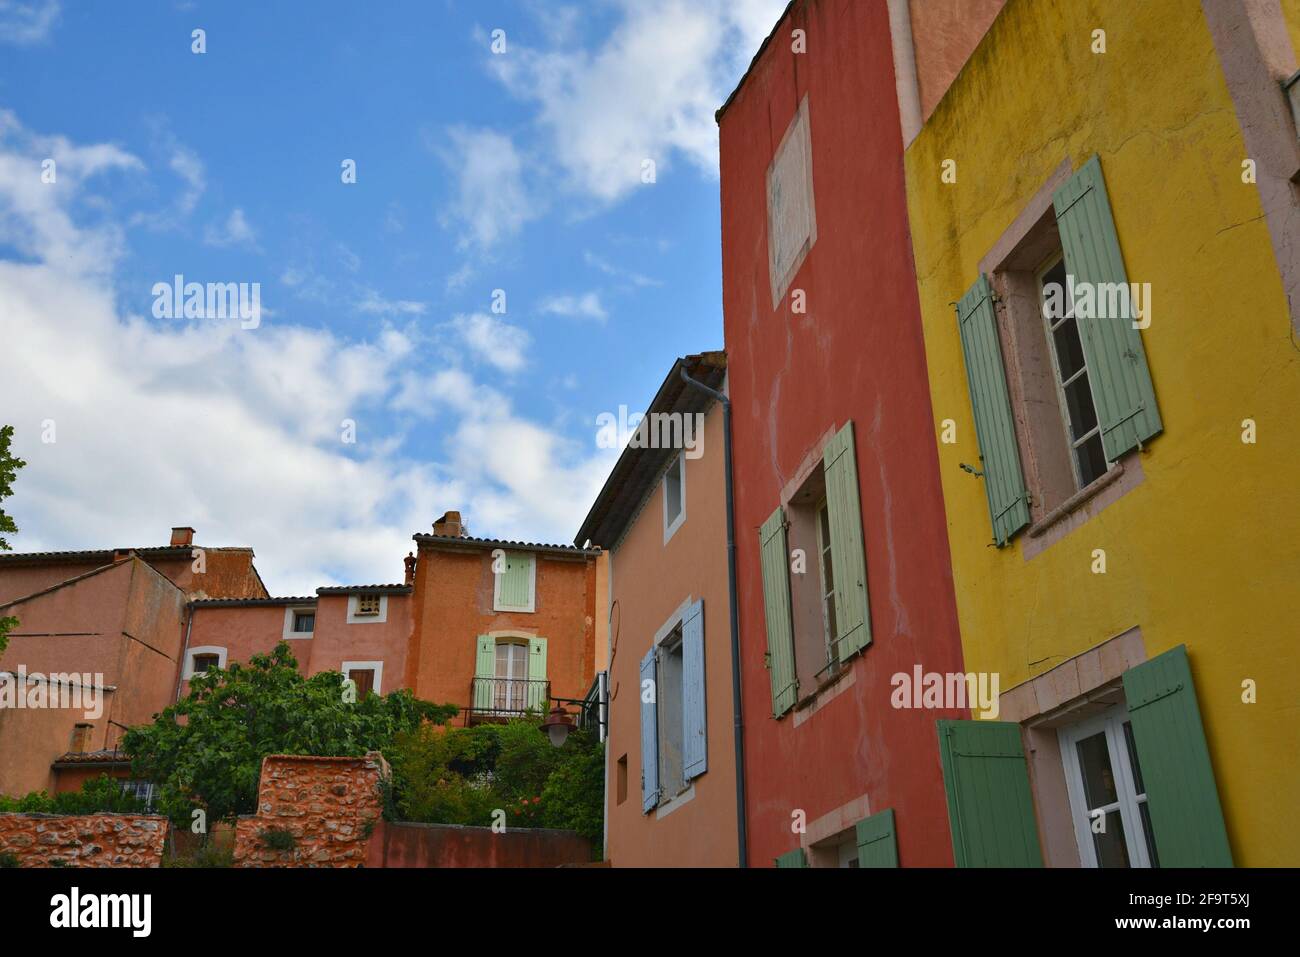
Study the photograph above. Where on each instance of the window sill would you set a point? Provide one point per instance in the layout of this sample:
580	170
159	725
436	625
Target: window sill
1076	501
830	688
673	803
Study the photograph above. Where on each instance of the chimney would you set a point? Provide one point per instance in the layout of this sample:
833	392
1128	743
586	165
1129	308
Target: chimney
449	526
410	568
182	535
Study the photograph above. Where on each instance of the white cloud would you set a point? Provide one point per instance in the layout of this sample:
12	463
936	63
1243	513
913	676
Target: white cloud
491	202
648	92
24	22
235	231
609	269
493	340
372	303
238	432
585	306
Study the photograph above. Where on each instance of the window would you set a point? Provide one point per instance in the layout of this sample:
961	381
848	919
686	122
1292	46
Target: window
509	692
368	675
299	623
791	215
514	581
674	718
1074	392
827	581
204	659
367	605
1108	801
204	663
674	497
510	675
621	780
81	738
304	622
141	790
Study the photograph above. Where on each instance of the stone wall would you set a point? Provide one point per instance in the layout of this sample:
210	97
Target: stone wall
327	805
84	840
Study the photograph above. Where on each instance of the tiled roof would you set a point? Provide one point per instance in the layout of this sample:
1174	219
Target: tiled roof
471	541
104	555
717	116
396	589
255	602
103	756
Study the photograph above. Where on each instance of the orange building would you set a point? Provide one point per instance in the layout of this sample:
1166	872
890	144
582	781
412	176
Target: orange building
670	783
501	627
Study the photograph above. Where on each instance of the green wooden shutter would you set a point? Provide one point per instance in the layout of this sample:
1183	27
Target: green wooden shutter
852	608
990	808
795	858
538	693
1112	348
1182	798
485	667
776	607
877	841
995	430
516	585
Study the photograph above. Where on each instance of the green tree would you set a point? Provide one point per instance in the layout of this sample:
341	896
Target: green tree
206	750
96	795
9	466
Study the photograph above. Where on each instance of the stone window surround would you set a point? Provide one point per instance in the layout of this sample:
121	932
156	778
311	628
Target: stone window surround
357	619
1078	687
200	651
1040	436
376	666
289	613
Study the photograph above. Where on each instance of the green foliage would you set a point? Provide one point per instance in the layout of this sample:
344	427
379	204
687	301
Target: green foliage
278	839
8	859
9	466
96	796
206	750
462	775
206	855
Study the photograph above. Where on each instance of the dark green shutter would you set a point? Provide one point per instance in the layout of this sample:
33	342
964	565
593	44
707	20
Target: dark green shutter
1112	348
995	430
852	610
795	858
877	841
1182	798
776	606
990	808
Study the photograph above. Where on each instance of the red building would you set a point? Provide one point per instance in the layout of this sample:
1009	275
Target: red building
843	570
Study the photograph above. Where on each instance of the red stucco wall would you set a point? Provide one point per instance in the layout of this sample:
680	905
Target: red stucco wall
857	354
449	845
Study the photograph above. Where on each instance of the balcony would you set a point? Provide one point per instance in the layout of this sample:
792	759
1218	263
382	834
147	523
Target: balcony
501	699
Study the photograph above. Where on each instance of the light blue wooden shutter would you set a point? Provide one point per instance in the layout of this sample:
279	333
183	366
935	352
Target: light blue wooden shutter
485	672
1112	348
517	582
776	606
990	808
995	430
649	733
848	555
877	840
796	858
538	693
1182	798
695	746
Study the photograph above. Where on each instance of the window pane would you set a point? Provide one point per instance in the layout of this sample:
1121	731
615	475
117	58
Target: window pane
1148	834
1112	850
1133	759
1092	460
1094	764
1069	351
1056	275
1078	402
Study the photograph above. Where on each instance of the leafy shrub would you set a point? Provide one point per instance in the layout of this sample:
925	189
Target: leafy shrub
97	795
278	839
8	859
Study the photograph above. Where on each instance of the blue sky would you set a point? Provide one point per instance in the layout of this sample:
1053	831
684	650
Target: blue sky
521	171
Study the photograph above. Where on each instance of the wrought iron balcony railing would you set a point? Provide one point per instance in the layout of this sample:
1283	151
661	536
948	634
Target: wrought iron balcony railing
509	696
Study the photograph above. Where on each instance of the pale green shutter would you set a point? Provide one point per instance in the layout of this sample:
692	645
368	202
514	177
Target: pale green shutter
877	840
1112	348
776	606
995	430
990	808
485	672
516	582
795	858
1182	798
848	561
539	698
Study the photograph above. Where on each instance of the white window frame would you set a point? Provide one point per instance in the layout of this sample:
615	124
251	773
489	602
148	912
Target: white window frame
1062	402
354	603
376	666
203	650
823	596
670	527
289	614
532	585
1111	723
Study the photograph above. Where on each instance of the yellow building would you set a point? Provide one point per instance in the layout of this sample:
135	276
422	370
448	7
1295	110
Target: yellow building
1121	463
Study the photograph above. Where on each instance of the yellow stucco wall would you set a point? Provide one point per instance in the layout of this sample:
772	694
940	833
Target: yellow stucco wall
1206	551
